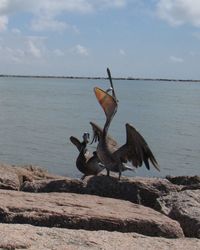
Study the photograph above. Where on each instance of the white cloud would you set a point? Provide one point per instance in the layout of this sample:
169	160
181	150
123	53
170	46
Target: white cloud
48	24
3	23
34	50
108	3
176	59
54	7
122	52
14	55
178	12
35	46
192	53
196	35
25	50
46	11
58	52
81	50
16	31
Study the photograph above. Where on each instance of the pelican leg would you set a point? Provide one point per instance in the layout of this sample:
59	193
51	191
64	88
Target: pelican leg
120	172
108	172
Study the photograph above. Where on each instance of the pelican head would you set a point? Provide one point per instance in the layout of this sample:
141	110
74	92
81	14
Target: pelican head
86	137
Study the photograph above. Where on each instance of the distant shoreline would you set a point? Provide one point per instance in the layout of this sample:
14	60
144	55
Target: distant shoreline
101	78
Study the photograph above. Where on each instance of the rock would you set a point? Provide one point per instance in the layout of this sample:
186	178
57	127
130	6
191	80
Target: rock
30	237
8	178
184	207
140	190
12	177
30	173
58	185
87	212
184	180
191	187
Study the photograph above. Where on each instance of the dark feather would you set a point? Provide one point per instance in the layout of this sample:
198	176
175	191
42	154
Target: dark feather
136	150
98	131
76	142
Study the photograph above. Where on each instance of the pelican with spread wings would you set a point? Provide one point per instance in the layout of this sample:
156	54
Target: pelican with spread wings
135	149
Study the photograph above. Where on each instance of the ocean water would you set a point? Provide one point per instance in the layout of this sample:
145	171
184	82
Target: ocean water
37	117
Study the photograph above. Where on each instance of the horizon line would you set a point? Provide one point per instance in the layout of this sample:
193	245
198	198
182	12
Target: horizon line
99	77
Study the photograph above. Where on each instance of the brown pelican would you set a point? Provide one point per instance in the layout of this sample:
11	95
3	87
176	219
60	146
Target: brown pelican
135	150
86	162
97	133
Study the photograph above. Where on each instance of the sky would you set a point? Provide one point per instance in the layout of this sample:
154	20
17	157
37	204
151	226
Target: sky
134	38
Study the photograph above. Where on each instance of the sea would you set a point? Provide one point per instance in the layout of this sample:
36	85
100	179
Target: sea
38	115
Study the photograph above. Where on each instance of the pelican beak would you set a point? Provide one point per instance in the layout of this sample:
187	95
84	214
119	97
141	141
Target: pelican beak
107	102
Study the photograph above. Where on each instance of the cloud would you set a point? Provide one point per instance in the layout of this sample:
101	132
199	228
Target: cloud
3	23
54	7
34	50
16	31
108	4
46	12
175	59
21	49
58	52
179	12
81	50
35	46
122	52
48	24
196	35
10	54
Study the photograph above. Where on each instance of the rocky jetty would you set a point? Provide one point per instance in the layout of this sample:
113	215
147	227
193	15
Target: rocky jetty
139	190
12	177
98	213
183	207
69	210
15	236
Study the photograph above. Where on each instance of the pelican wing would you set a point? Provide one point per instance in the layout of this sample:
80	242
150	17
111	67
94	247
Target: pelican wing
97	130
107	102
76	142
136	149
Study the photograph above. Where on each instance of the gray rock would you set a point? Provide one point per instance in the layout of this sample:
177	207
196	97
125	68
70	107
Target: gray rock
139	190
8	178
191	187
57	185
184	207
184	180
87	212
12	177
39	238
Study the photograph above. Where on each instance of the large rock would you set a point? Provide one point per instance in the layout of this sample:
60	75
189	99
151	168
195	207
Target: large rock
186	182
12	177
68	185
139	190
31	238
184	207
88	212
8	178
